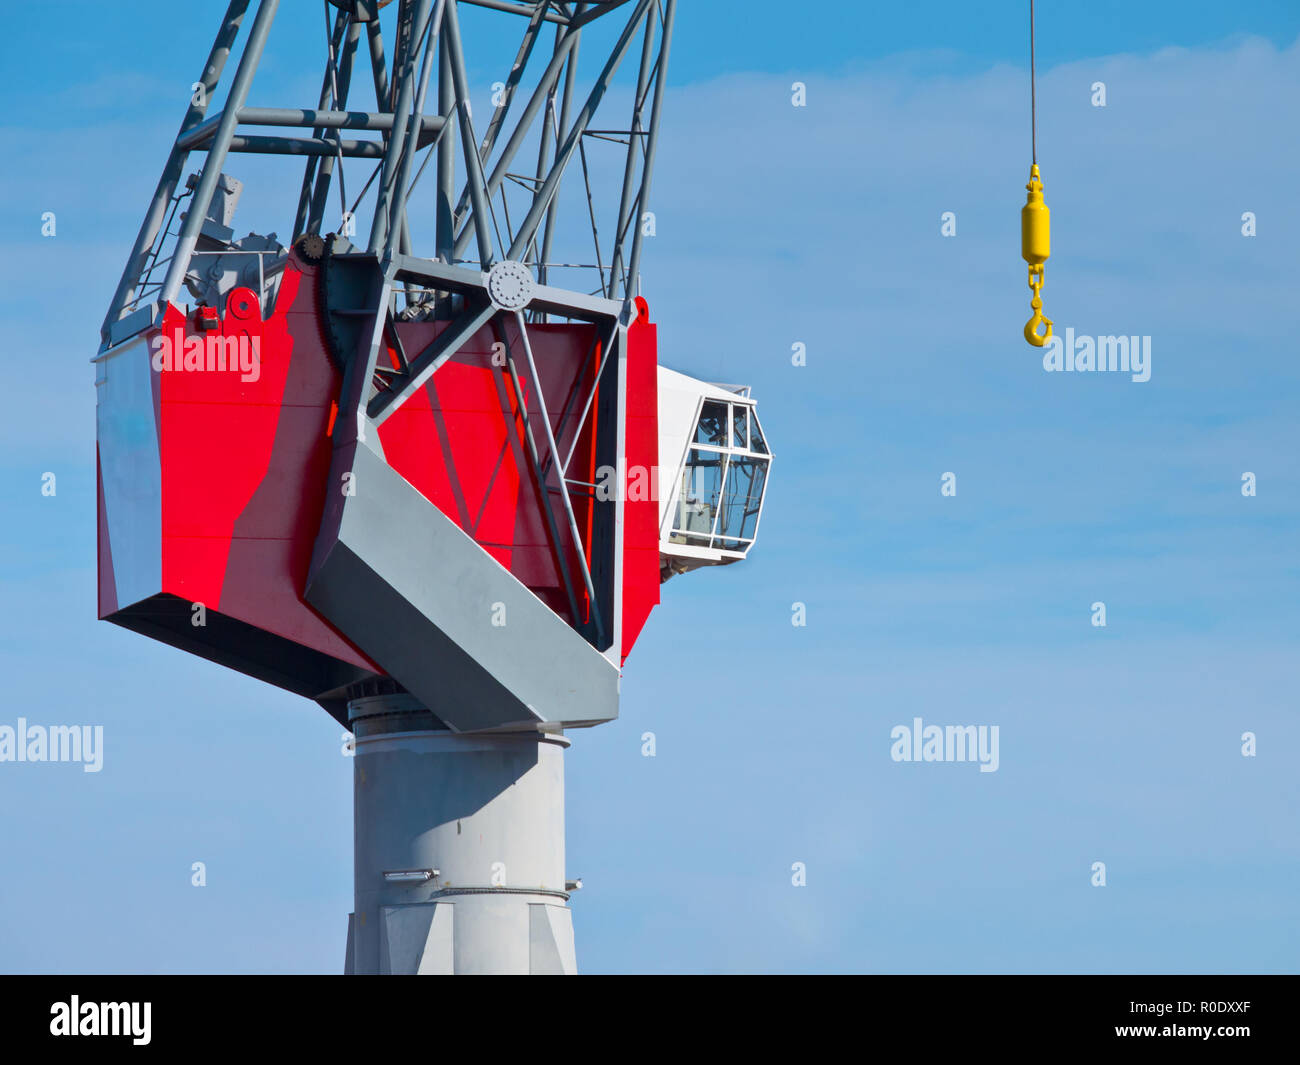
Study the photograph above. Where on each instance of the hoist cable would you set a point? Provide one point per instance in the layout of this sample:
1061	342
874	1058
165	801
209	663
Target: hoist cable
1033	95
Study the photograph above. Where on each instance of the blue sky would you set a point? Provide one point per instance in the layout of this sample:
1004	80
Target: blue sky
775	225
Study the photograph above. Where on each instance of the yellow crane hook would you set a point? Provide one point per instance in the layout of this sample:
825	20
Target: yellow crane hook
1035	247
1035	238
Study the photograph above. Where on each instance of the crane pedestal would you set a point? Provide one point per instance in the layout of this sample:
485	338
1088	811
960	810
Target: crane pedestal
459	847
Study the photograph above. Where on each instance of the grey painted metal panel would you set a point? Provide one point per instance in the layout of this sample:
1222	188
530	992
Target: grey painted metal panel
439	957
406	931
406	585
131	469
140	319
550	938
492	936
574	304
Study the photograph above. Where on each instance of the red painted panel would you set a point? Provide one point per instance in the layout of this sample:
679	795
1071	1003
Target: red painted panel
641	509
218	428
459	441
454	442
245	460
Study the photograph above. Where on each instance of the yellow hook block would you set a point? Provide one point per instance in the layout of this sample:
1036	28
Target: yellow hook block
1035	247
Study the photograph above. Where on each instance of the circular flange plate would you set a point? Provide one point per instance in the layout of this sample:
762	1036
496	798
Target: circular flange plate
510	285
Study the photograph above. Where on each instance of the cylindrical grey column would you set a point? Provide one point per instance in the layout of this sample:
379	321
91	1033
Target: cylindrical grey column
459	839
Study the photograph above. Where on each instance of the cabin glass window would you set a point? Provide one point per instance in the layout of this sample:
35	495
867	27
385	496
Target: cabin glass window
740	427
742	498
722	482
712	427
